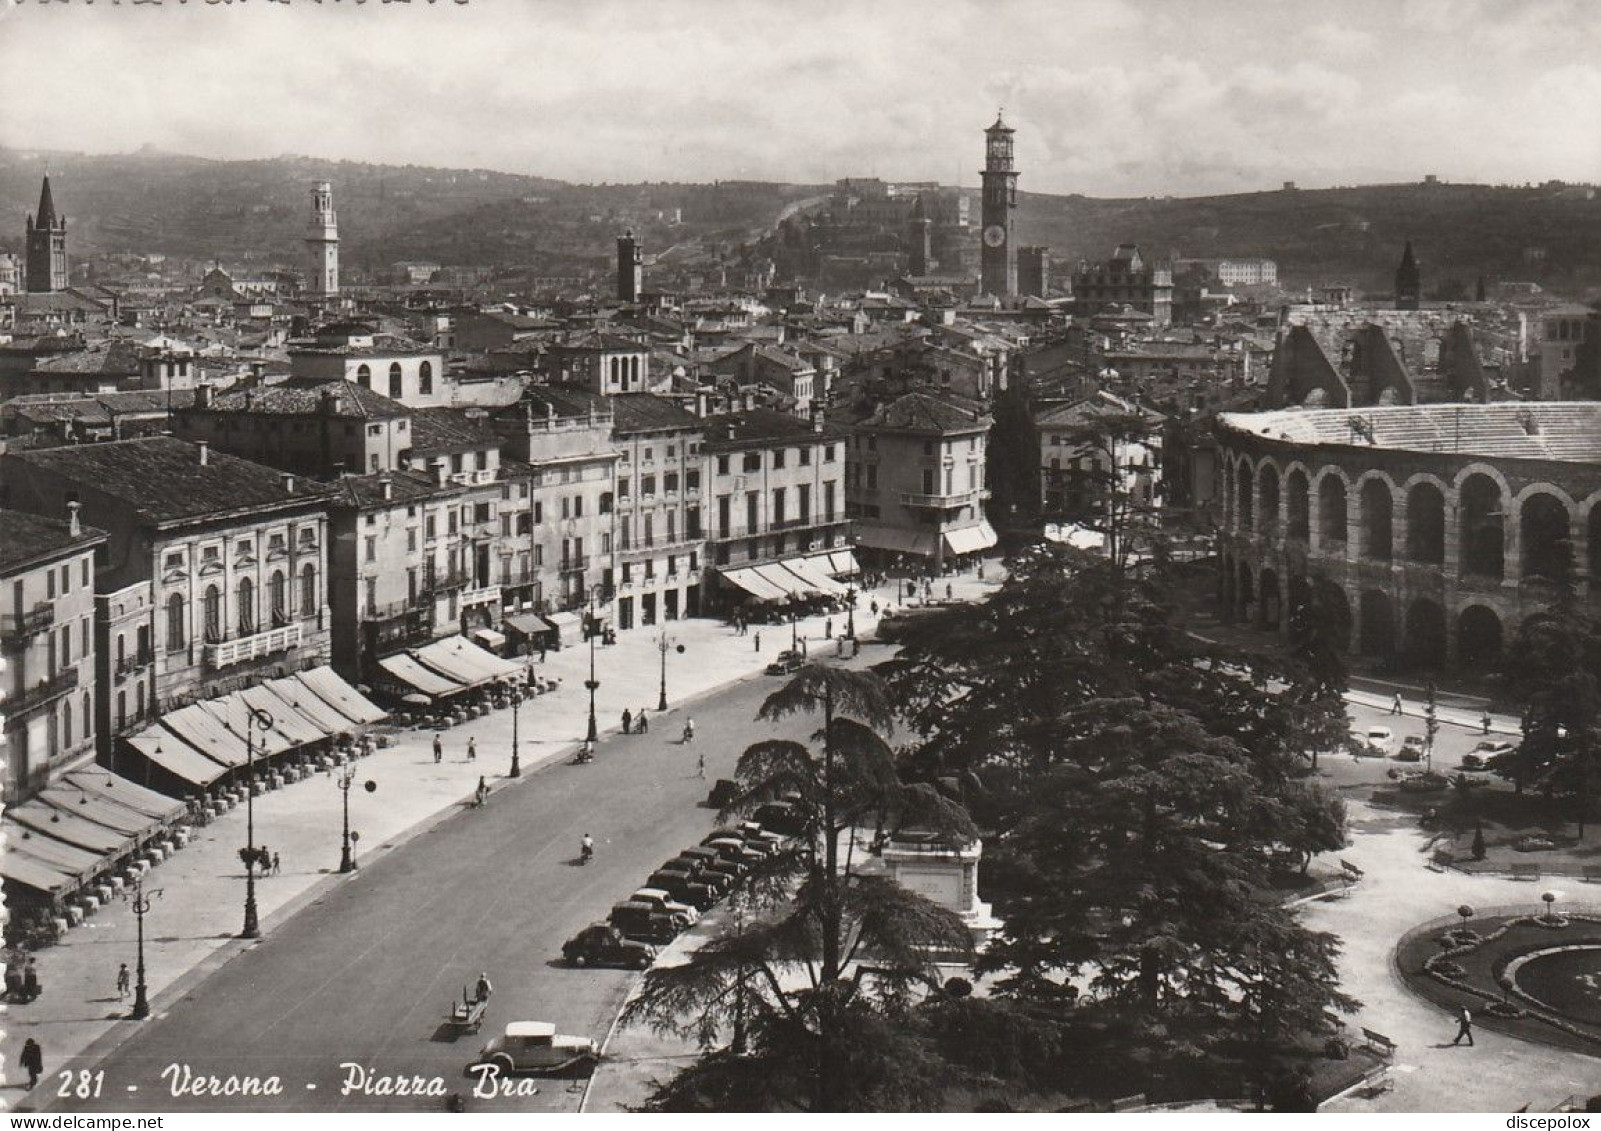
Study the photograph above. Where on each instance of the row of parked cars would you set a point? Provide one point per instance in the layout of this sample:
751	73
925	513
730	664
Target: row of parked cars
676	894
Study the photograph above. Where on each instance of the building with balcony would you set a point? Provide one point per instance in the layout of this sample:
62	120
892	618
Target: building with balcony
659	542
1429	531
915	479
125	662
1081	473
402	370
604	364
235	553
47	644
564	525
320	428
775	497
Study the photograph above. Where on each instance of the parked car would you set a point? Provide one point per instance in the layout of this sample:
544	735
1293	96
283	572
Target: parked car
682	886
535	1046
601	944
711	859
781	817
751	835
1411	749
664	902
1479	758
786	662
723	793
643	922
1378	740
705	869
734	850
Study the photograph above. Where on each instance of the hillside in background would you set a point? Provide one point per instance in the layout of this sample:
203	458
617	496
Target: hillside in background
1548	234
241	211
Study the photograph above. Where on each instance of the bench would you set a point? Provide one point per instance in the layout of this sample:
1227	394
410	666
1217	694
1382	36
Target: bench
1440	861
1525	871
1129	1103
1375	1083
1379	1043
1351	870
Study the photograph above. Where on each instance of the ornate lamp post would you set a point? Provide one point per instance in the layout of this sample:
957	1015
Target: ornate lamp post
263	720
663	645
516	709
141	905
592	683
347	778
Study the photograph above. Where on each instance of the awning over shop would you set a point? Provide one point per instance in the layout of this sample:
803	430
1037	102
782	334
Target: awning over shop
299	729
812	577
76	802
114	787
895	541
231	712
75	830
55	854
326	683
201	730
842	563
489	638
970	539
454	663
755	584
530	625
177	757
22	868
479	659
409	672
780	578
327	718
569	627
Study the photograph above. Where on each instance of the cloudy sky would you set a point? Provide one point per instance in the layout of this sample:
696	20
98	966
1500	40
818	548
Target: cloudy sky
1109	97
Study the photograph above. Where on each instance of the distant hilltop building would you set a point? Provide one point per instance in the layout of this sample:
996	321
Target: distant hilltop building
1235	272
46	269
323	240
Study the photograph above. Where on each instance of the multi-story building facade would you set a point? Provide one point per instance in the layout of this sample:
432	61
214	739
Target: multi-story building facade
1125	280
915	479
602	363
235	553
660	542
775	491
319	429
47	637
125	651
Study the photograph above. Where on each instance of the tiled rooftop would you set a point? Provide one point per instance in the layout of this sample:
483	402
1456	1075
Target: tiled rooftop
25	537
1553	430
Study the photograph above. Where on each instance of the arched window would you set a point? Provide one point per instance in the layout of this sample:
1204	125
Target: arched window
213	614
278	597
122	651
425	378
66	722
175	632
308	591
396	386
247	606
122	709
88	716
364	376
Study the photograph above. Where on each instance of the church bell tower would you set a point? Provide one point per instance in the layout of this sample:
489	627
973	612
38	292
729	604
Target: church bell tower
322	237
998	262
46	254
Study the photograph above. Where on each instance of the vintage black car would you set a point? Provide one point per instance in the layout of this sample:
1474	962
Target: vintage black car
601	944
644	922
682	886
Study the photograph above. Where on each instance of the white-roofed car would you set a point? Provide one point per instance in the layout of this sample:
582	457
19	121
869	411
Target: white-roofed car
535	1046
1482	754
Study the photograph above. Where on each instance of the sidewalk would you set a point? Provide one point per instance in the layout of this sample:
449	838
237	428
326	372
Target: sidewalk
190	928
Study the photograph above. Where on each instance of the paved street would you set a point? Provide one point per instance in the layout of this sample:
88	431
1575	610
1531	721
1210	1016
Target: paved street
366	973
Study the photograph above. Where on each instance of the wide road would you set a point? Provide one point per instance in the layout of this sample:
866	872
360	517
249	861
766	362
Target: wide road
366	973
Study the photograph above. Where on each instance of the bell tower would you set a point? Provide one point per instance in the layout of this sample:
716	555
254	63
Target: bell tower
322	237
46	255
998	259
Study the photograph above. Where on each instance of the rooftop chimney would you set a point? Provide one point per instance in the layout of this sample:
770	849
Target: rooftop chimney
441	472
730	429
74	527
288	481
205	452
386	488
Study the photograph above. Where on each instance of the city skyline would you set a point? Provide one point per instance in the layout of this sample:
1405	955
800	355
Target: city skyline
1109	97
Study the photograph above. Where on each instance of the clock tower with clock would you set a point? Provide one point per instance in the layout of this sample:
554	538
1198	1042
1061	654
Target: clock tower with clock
998	260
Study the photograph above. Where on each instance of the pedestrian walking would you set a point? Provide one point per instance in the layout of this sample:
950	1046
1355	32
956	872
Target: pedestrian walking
33	1060
124	981
948	590
277	864
700	766
472	750
482	792
30	981
981	570
689	731
542	652
628	720
804	650
1485	720
1395	704
828	629
1464	1027
641	724
439	750
758	641
874	606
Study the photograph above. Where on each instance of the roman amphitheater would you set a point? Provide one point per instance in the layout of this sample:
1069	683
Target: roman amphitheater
1435	528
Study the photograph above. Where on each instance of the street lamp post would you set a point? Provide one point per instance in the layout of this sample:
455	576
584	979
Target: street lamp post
516	709
347	778
794	635
592	683
850	615
663	646
141	996
263	720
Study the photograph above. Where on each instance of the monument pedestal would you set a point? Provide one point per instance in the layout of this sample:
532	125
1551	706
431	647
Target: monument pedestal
944	874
